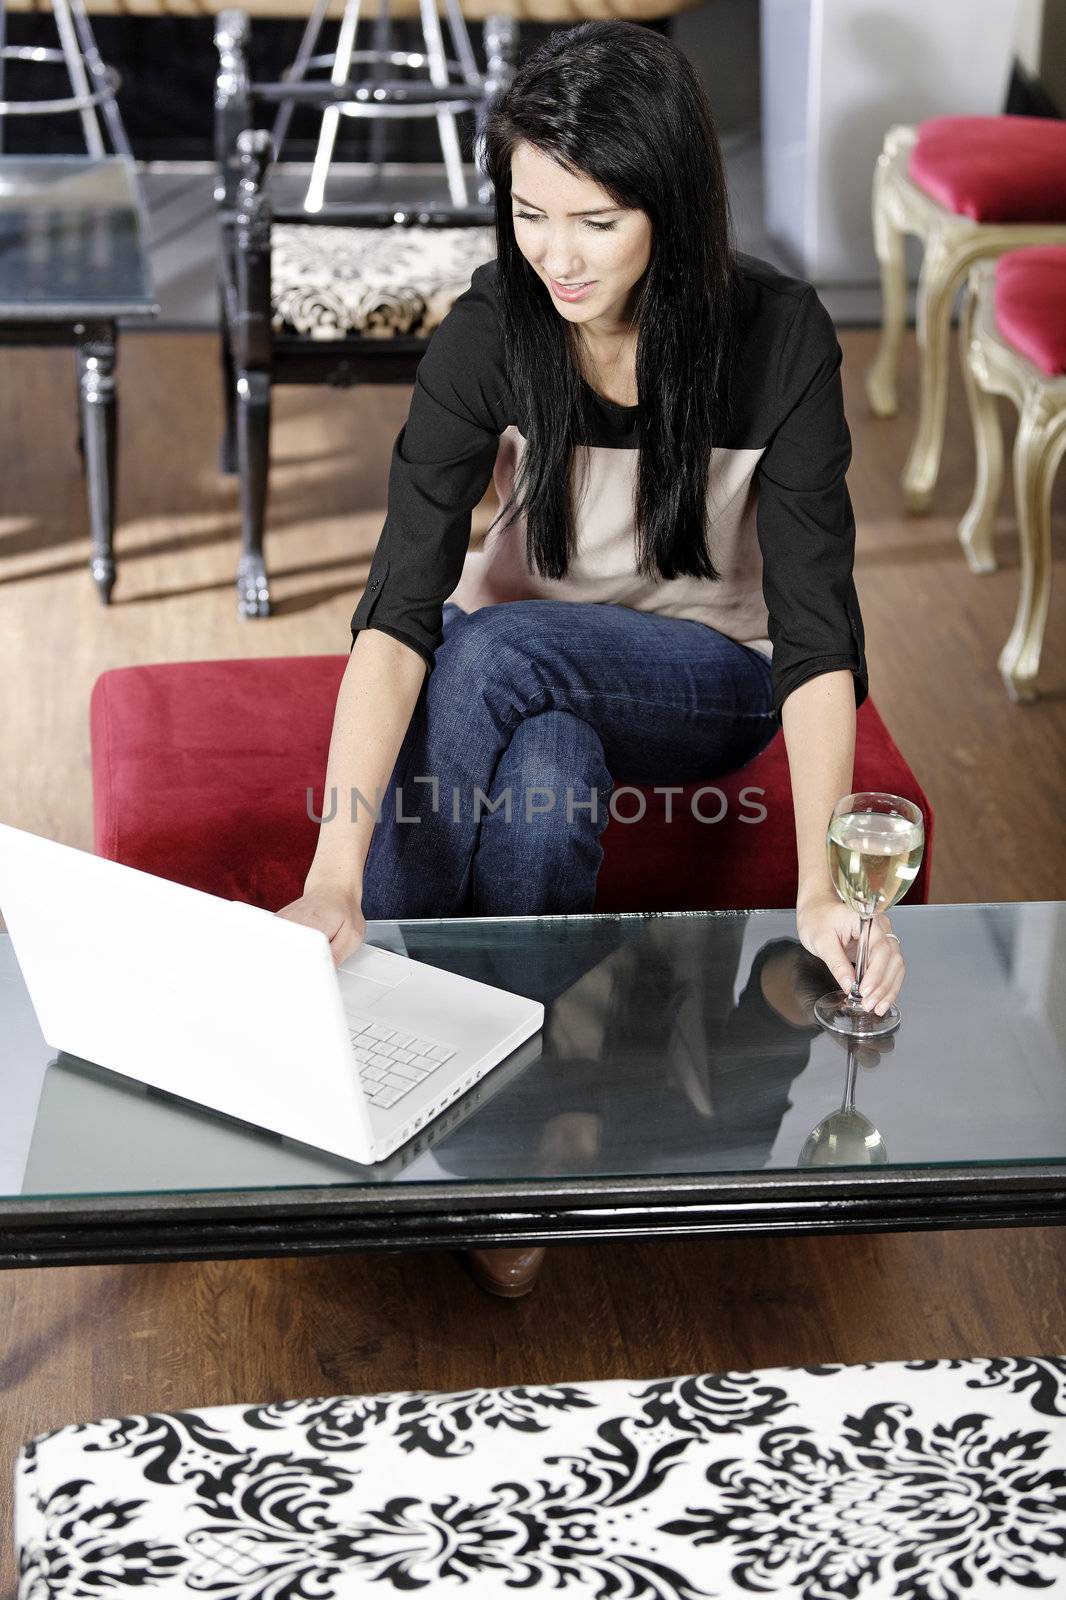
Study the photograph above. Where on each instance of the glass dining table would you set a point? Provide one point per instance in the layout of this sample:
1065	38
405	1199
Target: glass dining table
680	1085
74	264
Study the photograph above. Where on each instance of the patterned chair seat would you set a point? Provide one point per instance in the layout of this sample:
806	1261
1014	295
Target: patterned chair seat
922	1479
335	283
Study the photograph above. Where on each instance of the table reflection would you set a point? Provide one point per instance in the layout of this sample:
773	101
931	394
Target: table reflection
649	1063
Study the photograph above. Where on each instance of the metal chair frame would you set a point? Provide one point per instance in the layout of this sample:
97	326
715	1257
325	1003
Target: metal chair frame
254	356
94	86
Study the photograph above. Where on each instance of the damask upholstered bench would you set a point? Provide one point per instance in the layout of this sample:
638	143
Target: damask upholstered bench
932	1480
202	772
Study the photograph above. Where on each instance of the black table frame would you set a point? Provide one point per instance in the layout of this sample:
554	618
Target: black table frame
99	1230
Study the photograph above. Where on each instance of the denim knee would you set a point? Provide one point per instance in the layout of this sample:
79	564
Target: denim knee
554	761
486	665
539	848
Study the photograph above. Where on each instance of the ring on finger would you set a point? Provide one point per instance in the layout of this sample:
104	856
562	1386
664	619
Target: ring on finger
896	937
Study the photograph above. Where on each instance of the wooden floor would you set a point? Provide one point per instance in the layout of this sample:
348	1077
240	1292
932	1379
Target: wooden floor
76	1343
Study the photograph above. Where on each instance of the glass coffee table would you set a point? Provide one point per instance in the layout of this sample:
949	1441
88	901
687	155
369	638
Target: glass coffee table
678	1086
73	264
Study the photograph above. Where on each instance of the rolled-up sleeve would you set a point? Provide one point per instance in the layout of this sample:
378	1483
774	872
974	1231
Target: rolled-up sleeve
442	463
806	526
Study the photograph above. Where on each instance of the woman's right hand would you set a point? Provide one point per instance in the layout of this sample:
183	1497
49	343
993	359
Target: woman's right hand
335	910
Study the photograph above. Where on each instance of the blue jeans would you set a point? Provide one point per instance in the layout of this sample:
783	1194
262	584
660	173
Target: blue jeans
532	711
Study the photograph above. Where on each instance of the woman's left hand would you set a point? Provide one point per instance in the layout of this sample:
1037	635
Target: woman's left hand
830	931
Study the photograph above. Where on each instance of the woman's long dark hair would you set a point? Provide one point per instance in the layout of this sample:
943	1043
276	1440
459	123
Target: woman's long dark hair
622	105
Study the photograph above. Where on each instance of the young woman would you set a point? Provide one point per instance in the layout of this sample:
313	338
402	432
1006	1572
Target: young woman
670	577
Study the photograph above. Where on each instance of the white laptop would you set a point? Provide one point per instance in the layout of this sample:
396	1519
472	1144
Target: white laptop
242	1010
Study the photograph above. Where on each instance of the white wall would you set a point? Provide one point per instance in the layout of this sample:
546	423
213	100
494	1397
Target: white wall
836	74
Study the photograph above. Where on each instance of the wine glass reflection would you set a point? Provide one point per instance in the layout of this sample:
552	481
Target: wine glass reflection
846	1138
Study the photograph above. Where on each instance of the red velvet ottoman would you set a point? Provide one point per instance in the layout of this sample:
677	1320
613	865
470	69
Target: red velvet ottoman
201	772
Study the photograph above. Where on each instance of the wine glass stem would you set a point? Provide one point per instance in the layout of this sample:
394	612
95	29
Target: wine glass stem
855	997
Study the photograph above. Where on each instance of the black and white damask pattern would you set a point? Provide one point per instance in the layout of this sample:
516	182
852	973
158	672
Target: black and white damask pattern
331	283
926	1480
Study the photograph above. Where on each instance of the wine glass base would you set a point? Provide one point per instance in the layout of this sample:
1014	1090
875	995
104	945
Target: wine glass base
835	1013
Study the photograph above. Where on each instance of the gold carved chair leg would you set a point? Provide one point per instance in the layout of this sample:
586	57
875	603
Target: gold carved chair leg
952	250
1038	450
937	287
975	529
994	367
888	219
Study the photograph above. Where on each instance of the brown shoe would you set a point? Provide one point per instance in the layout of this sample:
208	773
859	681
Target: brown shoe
509	1273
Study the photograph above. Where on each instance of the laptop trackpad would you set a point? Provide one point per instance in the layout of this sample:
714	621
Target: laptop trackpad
361	992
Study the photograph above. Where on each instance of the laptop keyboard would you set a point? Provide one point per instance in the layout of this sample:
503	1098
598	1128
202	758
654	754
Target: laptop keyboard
392	1062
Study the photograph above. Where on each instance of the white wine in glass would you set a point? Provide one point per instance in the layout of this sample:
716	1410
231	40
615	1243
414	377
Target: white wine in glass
875	844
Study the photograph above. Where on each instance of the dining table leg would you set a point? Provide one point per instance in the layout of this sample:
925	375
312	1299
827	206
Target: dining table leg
96	353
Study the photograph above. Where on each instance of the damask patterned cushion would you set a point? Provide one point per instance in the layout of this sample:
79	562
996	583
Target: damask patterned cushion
332	283
928	1479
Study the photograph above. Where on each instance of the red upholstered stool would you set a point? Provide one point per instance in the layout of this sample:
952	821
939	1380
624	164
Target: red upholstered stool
201	772
1030	305
970	188
994	169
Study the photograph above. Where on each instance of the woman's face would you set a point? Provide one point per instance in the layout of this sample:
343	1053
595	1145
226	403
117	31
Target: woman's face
604	255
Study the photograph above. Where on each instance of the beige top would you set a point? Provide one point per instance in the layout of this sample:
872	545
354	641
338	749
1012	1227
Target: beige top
604	569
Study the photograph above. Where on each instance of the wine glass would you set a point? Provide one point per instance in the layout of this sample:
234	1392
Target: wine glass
875	844
845	1138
